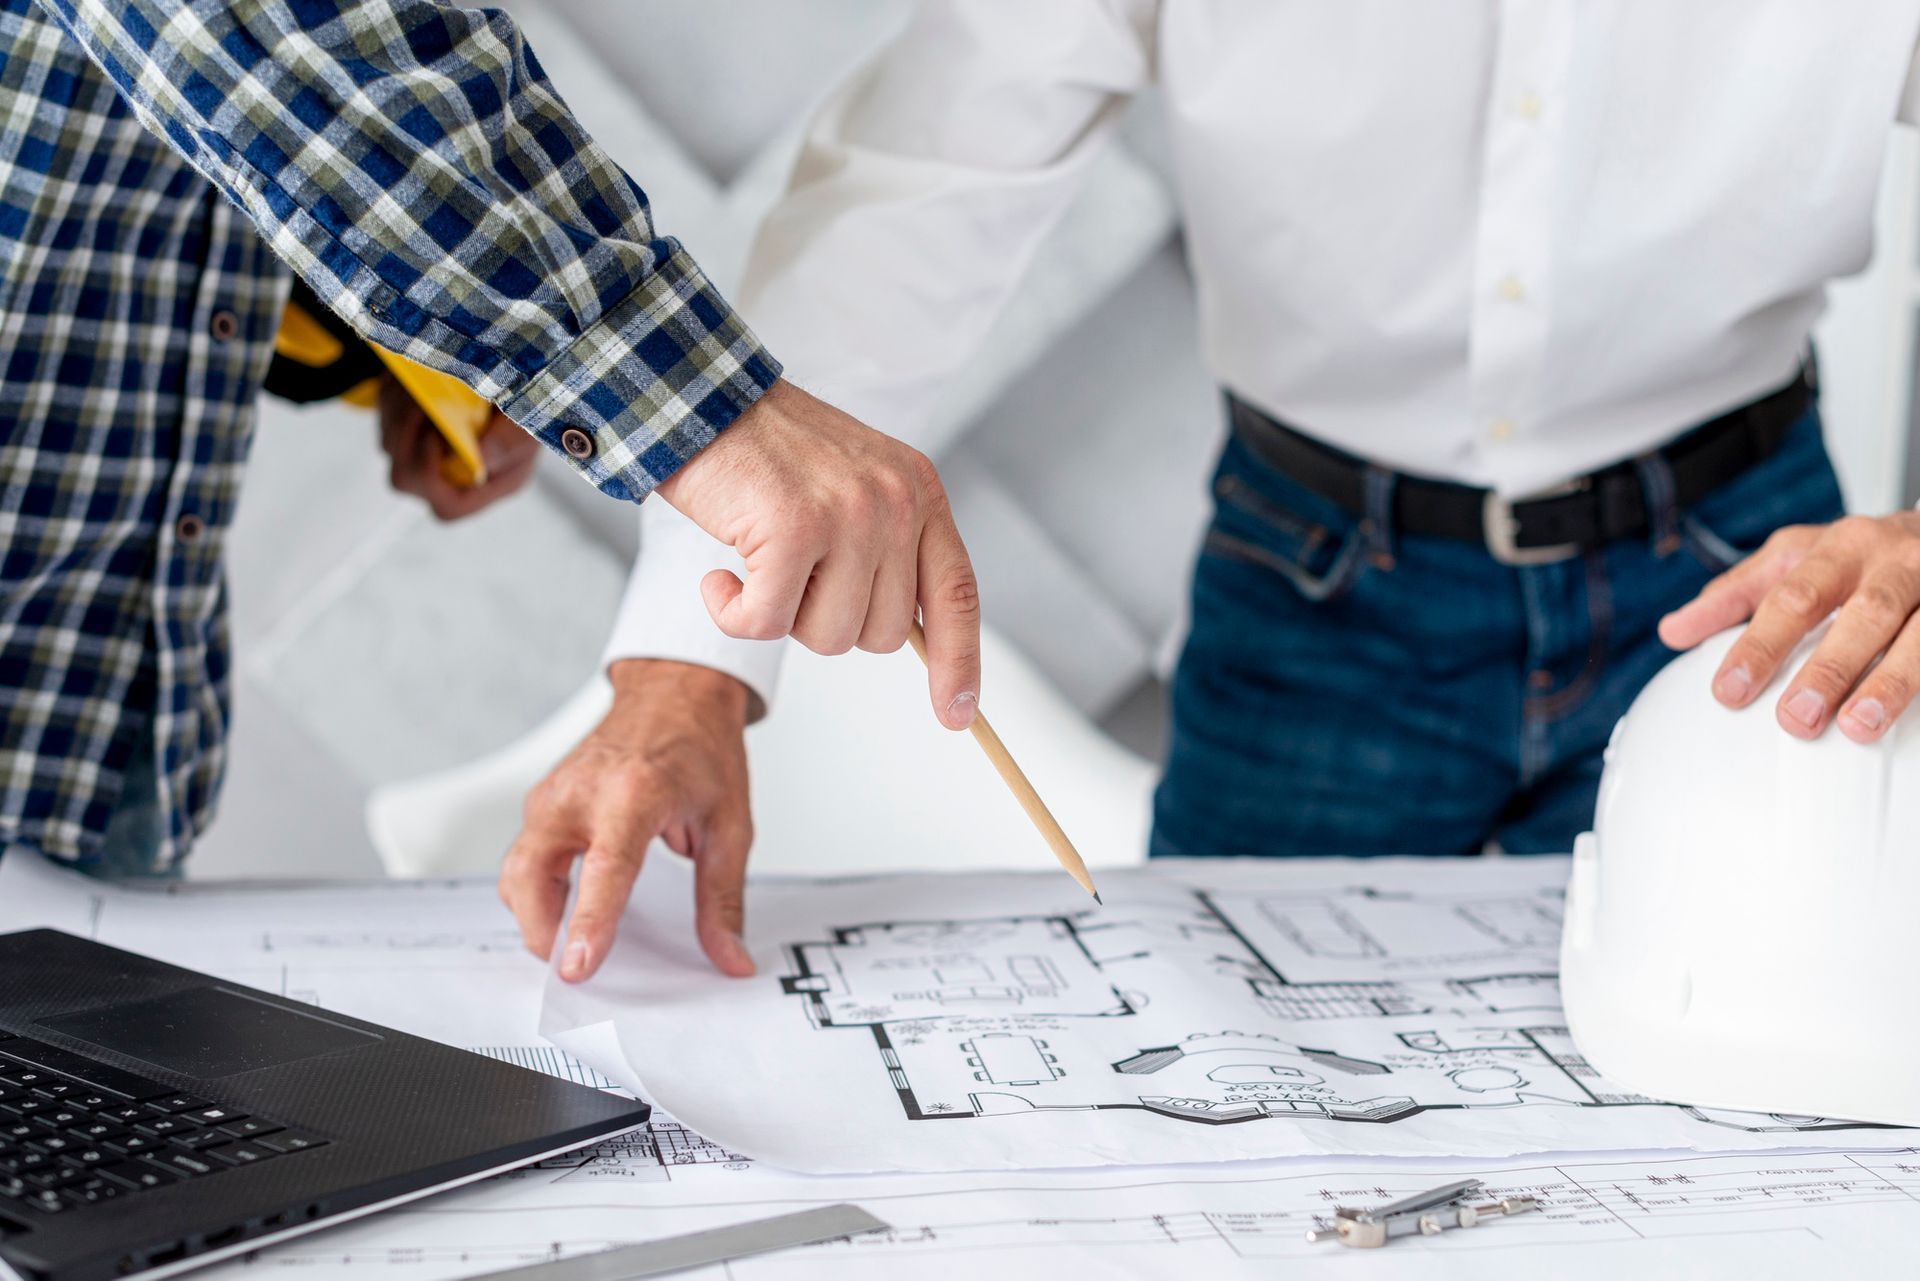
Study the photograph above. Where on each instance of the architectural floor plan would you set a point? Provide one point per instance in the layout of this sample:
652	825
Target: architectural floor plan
1208	1010
1851	1210
1355	1004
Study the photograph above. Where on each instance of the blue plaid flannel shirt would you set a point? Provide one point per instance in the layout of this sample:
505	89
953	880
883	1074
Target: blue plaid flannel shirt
408	159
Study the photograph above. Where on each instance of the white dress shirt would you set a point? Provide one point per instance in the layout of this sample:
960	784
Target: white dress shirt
1503	242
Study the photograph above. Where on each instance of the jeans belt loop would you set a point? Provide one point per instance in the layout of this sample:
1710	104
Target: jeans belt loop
1376	524
1663	508
1501	528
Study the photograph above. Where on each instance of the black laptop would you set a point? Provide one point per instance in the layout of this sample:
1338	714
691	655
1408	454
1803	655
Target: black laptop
153	1119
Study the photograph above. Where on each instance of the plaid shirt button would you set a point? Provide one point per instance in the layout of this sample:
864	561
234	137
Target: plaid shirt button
189	528
577	443
224	325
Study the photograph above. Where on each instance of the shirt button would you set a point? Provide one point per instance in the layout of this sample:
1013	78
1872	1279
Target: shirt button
1500	429
189	528
224	325
1511	289
577	443
1528	105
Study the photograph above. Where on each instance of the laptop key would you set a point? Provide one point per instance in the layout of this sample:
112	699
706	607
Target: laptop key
123	1113
52	1144
53	1176
251	1128
88	1158
179	1103
165	1127
96	1130
57	1091
45	1200
291	1141
241	1154
140	1176
201	1139
92	1192
25	1107
134	1145
111	1080
184	1162
17	1131
216	1115
60	1118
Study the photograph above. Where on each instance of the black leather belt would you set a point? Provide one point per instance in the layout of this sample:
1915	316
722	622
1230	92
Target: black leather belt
1586	512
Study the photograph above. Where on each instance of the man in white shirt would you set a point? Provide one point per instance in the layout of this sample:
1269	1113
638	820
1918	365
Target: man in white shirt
1511	299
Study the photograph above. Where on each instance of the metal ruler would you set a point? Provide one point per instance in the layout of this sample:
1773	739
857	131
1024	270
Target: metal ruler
698	1249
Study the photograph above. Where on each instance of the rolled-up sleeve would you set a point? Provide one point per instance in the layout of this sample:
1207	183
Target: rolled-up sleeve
411	161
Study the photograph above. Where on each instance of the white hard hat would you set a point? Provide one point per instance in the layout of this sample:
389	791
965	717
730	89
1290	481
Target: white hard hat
1743	922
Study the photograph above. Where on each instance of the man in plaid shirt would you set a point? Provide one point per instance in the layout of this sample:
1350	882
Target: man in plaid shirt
410	161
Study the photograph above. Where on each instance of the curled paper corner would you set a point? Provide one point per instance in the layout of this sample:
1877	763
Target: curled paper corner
598	1046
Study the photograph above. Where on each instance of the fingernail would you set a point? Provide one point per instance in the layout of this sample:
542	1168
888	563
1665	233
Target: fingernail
1806	708
1865	716
574	964
960	710
1735	684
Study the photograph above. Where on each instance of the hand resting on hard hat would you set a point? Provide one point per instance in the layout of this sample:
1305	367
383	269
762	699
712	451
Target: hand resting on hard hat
1863	570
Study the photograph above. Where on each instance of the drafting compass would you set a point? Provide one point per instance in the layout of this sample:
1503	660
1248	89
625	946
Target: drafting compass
1428	1213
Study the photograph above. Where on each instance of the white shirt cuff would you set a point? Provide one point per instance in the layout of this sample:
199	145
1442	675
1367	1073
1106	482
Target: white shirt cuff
663	616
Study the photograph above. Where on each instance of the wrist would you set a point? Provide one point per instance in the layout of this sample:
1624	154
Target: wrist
640	680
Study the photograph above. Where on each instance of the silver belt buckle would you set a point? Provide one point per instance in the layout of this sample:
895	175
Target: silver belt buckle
1499	526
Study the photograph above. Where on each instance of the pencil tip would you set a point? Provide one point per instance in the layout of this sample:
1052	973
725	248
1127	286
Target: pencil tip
1097	899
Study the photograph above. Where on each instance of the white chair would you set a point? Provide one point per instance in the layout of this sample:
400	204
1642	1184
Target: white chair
850	774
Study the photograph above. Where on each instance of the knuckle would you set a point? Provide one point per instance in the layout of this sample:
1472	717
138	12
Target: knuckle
748	622
1892	686
924	476
959	597
1827	673
897	496
821	641
1880	604
1798	600
542	799
1756	652
883	640
1855	528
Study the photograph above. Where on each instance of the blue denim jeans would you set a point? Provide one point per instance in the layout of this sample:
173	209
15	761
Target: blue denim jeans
1348	690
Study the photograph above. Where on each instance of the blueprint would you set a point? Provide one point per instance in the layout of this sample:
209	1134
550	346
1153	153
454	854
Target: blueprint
1752	1216
441	958
1209	1011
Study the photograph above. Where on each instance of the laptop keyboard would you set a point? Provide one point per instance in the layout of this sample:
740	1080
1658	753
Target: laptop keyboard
74	1132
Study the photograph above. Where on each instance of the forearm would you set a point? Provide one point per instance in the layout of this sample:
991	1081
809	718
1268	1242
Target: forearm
414	166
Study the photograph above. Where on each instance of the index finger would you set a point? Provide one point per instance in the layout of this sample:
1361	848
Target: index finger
950	613
1795	606
607	873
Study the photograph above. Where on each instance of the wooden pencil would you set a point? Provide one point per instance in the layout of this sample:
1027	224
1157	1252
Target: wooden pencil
1017	782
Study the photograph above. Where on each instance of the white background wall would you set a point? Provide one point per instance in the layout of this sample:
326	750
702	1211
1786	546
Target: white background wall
374	644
